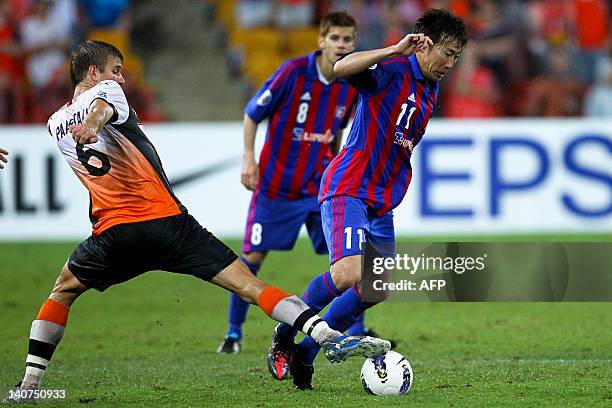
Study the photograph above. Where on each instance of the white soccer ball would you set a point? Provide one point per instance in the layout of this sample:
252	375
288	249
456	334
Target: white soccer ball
387	374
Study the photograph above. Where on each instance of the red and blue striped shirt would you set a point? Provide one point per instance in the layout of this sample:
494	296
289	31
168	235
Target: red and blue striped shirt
305	114
394	106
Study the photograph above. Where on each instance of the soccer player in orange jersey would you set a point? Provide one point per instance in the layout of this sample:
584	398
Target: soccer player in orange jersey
139	224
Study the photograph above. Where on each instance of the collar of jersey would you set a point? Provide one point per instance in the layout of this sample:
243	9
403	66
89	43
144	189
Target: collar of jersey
313	72
416	68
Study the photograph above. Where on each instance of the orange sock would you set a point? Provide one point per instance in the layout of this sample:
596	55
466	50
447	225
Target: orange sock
269	298
290	309
54	311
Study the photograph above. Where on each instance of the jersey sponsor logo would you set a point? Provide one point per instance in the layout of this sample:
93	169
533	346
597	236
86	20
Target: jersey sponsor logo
411	98
325	138
306	96
373	67
76	119
265	98
102	94
340	111
402	141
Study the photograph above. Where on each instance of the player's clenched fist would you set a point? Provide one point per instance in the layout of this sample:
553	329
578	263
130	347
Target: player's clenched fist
412	43
83	134
3	158
249	174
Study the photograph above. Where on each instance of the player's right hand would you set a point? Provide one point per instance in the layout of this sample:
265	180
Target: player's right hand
412	43
3	158
83	134
249	176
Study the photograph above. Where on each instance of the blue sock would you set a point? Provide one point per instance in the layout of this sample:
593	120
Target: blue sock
346	310
319	293
342	314
238	308
358	328
308	350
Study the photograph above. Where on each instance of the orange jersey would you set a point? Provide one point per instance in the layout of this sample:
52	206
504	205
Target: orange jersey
122	170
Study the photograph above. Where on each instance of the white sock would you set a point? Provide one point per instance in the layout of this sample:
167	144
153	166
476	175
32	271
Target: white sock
322	332
32	378
44	337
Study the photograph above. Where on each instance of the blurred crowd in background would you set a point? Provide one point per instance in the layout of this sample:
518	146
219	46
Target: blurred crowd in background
542	58
525	57
36	37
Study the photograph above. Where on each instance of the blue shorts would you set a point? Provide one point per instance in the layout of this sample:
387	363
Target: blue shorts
348	223
276	224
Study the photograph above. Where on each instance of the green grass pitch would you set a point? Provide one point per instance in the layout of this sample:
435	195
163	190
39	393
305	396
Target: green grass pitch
152	342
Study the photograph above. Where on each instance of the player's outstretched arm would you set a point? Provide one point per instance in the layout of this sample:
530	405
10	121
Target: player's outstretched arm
3	158
249	175
100	113
360	61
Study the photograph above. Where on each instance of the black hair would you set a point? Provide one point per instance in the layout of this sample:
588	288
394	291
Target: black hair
90	53
441	26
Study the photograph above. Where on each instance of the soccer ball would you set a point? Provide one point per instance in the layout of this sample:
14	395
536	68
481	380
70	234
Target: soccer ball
387	374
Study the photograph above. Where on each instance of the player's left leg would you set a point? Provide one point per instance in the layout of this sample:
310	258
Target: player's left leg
345	310
317	237
381	232
344	222
321	289
276	303
289	309
343	219
191	249
48	329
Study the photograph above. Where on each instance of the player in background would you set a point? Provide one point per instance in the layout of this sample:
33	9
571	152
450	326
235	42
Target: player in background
3	154
307	110
138	223
398	88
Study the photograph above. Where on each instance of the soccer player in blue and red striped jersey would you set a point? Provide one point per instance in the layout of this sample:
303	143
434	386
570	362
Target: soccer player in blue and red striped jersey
307	109
398	88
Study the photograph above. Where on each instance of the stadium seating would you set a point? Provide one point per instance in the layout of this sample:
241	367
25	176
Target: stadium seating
265	48
132	64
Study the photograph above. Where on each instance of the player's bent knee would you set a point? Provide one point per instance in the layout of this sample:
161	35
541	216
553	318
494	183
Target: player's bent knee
67	287
346	272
